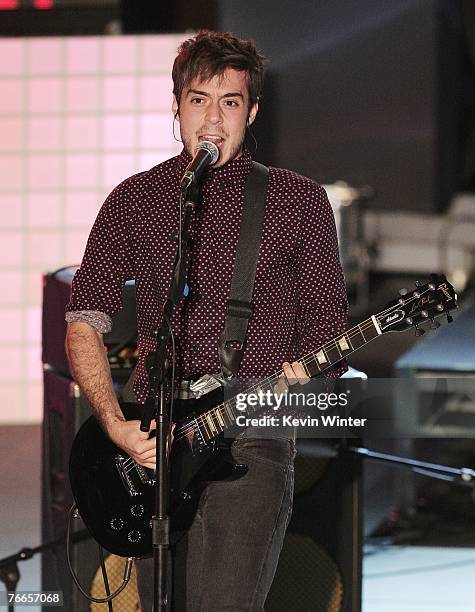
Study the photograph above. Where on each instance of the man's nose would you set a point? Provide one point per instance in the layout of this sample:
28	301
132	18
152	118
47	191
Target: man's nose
214	113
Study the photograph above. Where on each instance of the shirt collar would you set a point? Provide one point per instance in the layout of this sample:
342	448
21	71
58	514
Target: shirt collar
234	170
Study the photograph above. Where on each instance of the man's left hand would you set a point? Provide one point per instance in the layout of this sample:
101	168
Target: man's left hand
293	373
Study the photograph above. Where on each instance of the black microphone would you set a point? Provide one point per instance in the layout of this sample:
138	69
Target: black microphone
206	154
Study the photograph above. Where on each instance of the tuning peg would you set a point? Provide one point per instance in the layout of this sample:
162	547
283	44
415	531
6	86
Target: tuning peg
434	324
434	279
449	317
418	331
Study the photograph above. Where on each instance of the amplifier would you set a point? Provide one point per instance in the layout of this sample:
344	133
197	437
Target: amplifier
65	409
121	341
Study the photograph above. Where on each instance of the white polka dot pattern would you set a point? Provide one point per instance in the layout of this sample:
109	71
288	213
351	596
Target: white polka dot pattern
299	294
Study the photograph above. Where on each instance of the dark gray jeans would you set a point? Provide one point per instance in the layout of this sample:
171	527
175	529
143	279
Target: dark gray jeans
228	560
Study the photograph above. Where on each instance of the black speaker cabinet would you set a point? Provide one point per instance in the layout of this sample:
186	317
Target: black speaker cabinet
65	409
320	565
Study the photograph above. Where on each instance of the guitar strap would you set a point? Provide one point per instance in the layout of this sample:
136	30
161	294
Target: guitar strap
231	343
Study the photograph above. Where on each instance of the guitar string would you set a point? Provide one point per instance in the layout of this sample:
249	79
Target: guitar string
200	420
307	359
130	464
194	426
134	465
271	380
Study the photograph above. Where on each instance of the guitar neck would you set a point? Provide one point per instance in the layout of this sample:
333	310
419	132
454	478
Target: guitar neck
223	417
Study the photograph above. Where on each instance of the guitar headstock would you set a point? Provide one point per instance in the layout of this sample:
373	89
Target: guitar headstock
425	303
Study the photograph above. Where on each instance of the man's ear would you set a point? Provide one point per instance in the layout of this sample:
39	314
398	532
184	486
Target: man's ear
175	109
252	113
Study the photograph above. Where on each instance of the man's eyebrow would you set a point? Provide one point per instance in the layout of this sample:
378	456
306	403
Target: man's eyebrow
197	92
233	94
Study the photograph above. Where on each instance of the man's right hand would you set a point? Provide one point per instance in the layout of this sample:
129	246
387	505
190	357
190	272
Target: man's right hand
136	443
88	361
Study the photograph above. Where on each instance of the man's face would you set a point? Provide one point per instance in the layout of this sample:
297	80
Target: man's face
217	111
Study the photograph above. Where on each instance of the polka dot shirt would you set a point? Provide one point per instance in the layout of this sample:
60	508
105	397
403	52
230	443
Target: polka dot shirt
299	293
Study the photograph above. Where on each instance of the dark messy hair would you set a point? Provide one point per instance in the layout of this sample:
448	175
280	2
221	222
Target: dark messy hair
209	54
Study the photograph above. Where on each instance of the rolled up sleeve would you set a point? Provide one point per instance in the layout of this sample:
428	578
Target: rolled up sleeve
96	294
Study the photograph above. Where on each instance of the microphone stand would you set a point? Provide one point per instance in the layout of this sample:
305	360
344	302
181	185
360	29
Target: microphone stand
458	475
322	448
156	405
9	572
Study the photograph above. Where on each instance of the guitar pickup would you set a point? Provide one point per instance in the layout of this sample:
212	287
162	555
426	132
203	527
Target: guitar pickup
126	471
144	475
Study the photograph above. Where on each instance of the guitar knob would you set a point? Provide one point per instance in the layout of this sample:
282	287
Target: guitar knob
134	536
409	320
116	524
424	313
137	510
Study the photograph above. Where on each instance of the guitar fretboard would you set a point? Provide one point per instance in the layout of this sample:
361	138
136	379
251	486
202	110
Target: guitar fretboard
222	417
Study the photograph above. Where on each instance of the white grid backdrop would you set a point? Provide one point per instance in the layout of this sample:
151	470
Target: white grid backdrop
77	116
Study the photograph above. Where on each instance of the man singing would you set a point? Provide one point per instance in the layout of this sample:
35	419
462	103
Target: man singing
299	302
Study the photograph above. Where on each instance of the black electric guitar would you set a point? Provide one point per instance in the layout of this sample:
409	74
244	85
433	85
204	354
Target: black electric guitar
115	495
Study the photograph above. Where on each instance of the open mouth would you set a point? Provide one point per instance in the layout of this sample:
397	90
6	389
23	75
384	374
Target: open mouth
217	140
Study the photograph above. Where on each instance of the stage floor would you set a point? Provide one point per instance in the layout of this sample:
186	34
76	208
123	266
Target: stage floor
395	578
418	579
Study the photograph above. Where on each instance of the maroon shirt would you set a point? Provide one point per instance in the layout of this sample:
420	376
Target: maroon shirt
299	294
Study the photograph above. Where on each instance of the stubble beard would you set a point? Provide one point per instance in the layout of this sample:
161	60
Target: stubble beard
235	152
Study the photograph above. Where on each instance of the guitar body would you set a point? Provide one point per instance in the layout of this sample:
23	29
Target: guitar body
115	496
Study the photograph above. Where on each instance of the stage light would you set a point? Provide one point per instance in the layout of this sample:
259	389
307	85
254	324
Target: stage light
11	5
8	5
43	4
